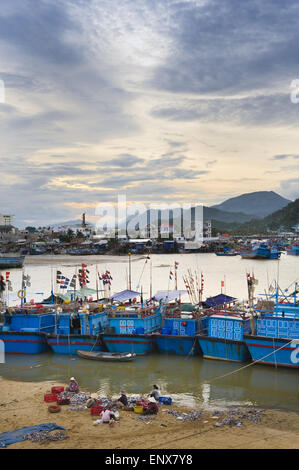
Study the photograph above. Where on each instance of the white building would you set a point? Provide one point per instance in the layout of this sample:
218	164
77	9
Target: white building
6	219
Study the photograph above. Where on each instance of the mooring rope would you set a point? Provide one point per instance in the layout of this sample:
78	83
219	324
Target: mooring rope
247	365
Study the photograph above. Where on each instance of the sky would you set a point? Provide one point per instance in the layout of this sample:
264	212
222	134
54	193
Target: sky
173	101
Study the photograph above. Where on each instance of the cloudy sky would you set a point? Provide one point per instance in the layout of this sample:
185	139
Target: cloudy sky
161	100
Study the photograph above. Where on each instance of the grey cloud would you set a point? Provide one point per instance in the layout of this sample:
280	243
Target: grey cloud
228	46
265	109
284	156
125	160
39	29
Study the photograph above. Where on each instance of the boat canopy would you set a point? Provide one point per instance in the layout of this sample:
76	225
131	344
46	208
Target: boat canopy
220	299
124	295
80	293
167	296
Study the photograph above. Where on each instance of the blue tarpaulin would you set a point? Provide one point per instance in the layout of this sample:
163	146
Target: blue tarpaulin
11	437
220	299
124	295
167	296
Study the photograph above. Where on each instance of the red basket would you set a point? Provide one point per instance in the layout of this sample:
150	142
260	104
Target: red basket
142	402
49	397
63	400
96	410
57	389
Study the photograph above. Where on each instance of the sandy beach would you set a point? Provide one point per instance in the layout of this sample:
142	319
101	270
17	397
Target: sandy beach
21	404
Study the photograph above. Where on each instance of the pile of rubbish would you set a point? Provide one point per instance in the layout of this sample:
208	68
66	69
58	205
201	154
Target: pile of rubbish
235	417
46	436
144	418
194	415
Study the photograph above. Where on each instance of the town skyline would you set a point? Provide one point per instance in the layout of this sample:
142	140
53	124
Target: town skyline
163	101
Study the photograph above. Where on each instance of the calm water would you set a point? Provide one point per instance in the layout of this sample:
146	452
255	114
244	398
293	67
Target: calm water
214	269
188	380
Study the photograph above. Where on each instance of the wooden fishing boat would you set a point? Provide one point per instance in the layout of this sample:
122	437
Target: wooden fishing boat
107	356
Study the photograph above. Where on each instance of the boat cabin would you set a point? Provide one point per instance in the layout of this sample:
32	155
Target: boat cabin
81	323
30	322
134	319
227	325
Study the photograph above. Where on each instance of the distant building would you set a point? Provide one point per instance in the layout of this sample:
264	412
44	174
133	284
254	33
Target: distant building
207	229
6	220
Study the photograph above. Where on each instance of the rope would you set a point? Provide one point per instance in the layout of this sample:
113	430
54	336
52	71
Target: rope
95	342
248	365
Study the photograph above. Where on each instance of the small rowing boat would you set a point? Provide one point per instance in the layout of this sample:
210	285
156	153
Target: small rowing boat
106	356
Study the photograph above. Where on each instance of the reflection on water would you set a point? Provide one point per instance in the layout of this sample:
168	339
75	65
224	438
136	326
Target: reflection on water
189	380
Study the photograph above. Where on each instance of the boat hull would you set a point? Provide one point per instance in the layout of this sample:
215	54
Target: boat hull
11	262
282	352
226	254
16	342
223	349
106	357
255	256
70	344
178	345
122	343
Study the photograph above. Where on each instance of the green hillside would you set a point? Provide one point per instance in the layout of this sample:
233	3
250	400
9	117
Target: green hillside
286	218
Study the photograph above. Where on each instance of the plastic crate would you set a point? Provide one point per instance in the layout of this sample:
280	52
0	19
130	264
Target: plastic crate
50	397
165	400
96	410
57	389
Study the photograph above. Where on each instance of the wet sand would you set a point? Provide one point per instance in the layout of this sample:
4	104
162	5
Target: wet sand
21	404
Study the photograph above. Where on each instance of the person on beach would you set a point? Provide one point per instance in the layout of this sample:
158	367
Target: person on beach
155	393
73	386
152	408
108	416
122	400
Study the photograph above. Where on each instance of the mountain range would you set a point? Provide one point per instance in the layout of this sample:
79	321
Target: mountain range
265	207
257	204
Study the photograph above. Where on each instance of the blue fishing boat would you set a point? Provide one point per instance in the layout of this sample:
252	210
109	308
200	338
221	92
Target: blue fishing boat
10	262
293	250
178	336
130	325
26	333
221	336
77	331
276	337
261	251
227	251
82	251
180	325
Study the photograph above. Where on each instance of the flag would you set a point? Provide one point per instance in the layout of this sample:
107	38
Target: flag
73	281
58	276
222	283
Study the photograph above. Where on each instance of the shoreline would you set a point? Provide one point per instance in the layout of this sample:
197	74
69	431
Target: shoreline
22	404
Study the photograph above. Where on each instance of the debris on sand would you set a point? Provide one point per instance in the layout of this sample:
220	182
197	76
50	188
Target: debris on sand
46	436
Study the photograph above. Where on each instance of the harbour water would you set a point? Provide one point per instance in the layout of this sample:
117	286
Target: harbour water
189	380
215	269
